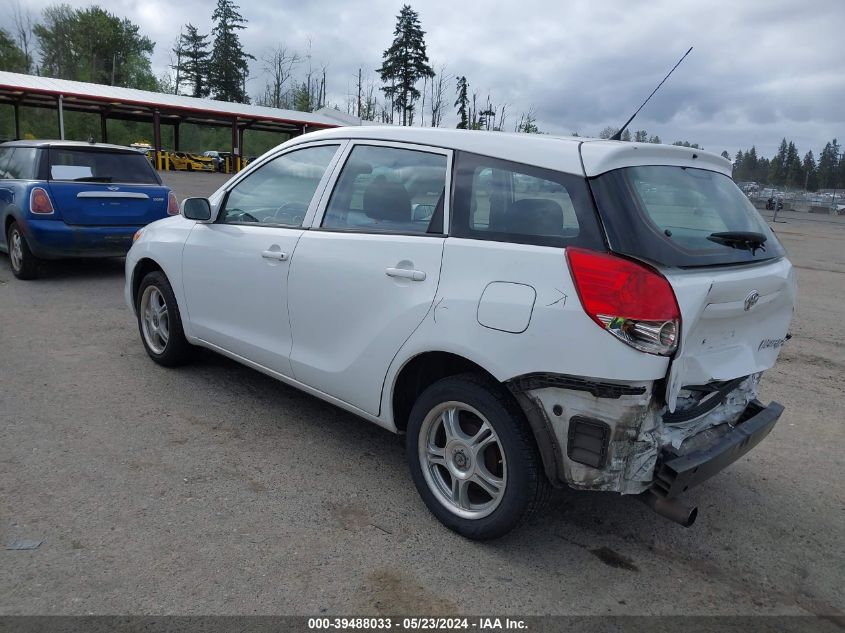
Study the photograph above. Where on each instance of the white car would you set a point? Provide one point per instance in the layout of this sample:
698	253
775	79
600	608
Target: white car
528	310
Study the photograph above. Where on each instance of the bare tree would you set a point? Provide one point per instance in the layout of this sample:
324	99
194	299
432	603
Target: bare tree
370	101
527	123
279	65
178	50
23	31
500	121
487	117
422	103
437	101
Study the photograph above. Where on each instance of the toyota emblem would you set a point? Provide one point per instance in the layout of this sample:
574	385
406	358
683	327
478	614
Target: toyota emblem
751	300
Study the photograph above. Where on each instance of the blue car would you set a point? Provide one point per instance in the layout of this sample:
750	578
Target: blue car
70	199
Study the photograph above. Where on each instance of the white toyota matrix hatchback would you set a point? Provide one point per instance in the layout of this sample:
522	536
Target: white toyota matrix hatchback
528	310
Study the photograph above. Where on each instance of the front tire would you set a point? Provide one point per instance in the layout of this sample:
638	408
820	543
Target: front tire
23	263
160	322
473	457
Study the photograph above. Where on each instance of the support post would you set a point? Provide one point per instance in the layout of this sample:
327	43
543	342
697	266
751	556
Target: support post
176	136
241	132
61	118
17	122
157	138
104	130
235	149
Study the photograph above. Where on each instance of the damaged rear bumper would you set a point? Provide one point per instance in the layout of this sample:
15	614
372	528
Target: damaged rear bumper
677	472
615	437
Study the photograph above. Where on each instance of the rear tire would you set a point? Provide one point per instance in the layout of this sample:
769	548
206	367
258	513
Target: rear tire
23	263
160	322
473	457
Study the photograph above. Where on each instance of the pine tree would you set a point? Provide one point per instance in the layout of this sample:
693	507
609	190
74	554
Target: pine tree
229	64
405	63
840	172
811	180
740	171
641	136
762	173
462	104
655	139
828	162
626	135
777	166
194	61
751	165
794	170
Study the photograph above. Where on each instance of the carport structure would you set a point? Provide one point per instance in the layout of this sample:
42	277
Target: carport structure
158	109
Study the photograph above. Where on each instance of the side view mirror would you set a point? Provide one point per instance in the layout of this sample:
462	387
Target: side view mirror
196	209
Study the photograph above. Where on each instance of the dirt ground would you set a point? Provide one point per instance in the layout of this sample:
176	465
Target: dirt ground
213	489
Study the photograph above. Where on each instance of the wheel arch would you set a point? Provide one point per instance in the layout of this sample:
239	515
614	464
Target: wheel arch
142	268
12	214
426	368
421	371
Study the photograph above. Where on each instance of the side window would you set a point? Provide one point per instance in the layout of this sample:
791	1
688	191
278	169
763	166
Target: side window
280	191
5	155
389	189
511	202
21	165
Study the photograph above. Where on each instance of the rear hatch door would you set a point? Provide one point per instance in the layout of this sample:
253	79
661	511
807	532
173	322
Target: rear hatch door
734	285
99	187
734	322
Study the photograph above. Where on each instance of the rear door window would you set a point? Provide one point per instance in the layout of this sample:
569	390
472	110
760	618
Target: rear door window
512	202
389	189
83	165
679	216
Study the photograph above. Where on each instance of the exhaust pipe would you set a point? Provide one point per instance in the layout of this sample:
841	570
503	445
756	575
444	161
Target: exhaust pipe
672	509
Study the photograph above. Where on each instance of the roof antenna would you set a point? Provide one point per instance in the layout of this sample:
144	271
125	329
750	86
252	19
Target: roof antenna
618	135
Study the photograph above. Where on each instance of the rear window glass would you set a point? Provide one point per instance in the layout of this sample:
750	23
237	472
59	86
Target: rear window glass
5	155
21	164
98	166
680	216
510	202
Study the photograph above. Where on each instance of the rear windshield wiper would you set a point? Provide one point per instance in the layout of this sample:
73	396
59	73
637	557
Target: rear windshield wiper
745	240
93	179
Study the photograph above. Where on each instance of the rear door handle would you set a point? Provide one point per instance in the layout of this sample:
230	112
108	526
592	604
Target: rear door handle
279	255
404	273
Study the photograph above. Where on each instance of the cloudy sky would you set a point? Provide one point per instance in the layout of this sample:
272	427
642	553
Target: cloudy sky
760	70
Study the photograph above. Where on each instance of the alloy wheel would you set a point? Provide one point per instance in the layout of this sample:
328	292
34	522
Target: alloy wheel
462	460
155	322
16	249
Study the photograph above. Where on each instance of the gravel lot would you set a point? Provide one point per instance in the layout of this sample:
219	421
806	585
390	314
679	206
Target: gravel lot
213	489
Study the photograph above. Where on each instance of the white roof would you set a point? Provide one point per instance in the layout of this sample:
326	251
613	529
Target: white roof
560	153
78	89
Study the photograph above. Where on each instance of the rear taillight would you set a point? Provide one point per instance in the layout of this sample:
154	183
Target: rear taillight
39	202
631	301
172	204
